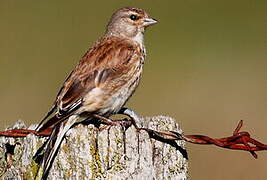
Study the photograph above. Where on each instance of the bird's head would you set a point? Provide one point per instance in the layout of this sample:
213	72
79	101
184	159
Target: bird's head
129	22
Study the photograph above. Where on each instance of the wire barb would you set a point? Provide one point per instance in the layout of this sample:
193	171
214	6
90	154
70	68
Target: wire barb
238	141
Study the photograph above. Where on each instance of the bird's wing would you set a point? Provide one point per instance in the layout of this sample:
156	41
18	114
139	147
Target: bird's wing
107	61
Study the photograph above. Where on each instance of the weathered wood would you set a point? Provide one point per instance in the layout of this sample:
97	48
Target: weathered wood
90	153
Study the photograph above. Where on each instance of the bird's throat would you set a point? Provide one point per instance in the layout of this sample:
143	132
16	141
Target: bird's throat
139	38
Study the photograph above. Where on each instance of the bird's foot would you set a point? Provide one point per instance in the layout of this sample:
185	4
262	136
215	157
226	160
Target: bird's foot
125	123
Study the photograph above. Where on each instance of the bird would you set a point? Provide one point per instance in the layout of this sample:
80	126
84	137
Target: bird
102	81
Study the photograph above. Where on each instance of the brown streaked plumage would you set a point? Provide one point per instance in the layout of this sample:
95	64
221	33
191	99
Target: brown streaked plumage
104	79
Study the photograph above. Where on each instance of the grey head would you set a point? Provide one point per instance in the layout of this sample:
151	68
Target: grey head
129	23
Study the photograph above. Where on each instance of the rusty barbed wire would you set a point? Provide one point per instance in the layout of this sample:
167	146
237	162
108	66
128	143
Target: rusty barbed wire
238	141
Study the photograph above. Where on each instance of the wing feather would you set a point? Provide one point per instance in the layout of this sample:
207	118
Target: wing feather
106	61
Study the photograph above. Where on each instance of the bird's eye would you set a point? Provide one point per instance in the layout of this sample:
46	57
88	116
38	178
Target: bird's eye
134	17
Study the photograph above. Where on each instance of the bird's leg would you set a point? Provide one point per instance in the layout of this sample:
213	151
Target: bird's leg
24	132
124	122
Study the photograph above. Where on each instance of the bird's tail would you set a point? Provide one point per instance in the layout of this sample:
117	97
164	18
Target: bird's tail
54	143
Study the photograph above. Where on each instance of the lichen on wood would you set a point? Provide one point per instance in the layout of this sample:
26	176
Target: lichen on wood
88	152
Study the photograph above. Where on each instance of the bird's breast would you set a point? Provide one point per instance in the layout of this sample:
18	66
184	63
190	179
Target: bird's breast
109	96
118	99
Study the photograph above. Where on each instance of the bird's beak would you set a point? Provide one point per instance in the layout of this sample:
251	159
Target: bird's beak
149	21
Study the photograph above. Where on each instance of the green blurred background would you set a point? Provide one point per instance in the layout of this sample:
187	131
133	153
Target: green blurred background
206	67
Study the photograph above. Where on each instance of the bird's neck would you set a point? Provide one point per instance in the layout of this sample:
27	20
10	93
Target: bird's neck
138	37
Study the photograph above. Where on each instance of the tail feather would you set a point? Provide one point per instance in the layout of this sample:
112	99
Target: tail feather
54	143
57	117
